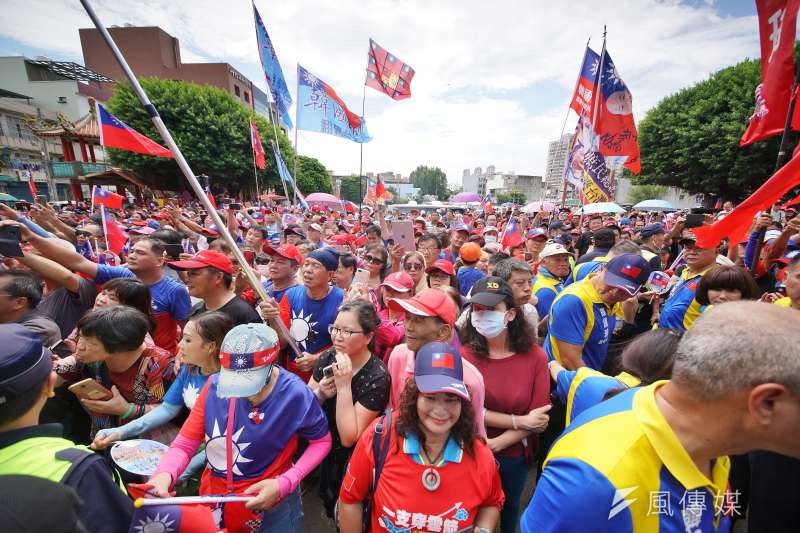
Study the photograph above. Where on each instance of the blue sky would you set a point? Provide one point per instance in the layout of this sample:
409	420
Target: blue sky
492	83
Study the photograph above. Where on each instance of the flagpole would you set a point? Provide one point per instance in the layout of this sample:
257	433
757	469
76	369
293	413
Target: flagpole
296	129
255	171
275	122
781	160
361	158
599	84
179	159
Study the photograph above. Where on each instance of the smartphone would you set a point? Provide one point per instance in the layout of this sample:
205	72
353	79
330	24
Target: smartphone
235	207
249	255
403	234
361	278
89	389
328	371
694	220
21	206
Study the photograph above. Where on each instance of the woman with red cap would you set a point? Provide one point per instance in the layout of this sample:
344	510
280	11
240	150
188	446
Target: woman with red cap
431	471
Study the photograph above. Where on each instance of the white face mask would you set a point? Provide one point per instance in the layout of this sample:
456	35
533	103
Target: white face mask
263	269
490	238
490	324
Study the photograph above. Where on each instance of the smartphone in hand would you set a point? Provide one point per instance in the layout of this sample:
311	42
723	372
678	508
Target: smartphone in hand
89	389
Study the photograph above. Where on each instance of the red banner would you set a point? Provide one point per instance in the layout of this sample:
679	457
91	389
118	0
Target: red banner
777	20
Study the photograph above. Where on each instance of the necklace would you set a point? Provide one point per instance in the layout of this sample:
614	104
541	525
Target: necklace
430	476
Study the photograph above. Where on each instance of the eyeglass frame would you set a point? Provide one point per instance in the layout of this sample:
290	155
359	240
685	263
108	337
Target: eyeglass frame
332	328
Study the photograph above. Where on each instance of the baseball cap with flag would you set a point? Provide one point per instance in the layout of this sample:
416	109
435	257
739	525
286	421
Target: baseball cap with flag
247	355
438	368
628	272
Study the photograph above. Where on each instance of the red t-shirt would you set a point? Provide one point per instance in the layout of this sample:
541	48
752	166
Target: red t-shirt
466	485
529	389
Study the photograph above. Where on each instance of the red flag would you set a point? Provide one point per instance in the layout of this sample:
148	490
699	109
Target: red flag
380	191
211	198
511	235
735	224
106	198
387	74
116	134
115	237
31	185
776	27
615	125
791	202
258	148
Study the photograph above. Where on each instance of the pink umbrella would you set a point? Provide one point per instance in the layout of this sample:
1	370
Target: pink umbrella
464	197
322	198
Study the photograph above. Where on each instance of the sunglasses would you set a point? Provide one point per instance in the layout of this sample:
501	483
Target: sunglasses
374	260
413	266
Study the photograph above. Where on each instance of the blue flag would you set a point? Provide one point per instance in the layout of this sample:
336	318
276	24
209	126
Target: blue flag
320	109
283	172
272	71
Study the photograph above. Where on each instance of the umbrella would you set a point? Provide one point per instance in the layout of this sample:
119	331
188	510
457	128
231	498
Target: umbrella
600	207
464	197
322	198
7	198
654	205
535	207
350	207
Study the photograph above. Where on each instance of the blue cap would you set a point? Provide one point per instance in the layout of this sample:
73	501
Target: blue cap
153	224
438	368
24	362
297	230
628	272
652	229
461	227
537	232
327	257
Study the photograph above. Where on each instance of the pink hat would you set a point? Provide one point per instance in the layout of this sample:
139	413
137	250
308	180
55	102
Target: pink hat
399	281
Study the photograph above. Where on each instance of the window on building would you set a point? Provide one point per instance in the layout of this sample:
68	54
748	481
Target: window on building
247	97
236	90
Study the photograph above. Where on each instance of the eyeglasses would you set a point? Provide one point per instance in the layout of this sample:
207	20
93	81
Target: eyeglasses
427	248
412	266
374	260
346	333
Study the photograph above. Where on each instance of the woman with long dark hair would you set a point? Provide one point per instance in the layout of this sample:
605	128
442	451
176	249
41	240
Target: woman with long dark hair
437	475
353	387
501	343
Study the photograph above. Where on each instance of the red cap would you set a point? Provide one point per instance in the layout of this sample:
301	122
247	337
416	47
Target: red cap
399	281
205	259
289	251
443	265
342	239
429	302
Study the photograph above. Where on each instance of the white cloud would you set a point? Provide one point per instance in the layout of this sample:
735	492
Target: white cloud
473	48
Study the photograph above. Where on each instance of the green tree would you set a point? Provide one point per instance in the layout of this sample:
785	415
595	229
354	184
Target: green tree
643	192
212	130
514	197
430	180
351	190
691	138
312	176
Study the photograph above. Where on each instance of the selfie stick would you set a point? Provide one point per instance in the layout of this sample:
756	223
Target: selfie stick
189	500
152	112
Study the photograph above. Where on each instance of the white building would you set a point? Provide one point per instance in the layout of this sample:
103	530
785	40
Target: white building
476	181
557	153
531	186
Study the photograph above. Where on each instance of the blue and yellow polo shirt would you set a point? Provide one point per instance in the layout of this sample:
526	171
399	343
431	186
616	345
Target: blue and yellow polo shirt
620	468
584	269
545	288
584	388
579	316
681	309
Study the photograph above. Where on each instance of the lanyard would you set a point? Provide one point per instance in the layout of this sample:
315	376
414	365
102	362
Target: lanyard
229	445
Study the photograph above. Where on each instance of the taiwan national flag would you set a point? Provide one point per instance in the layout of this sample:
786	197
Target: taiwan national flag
109	199
511	235
211	197
31	184
583	98
388	74
116	134
443	360
115	237
614	124
258	148
486	205
174	518
320	109
381	193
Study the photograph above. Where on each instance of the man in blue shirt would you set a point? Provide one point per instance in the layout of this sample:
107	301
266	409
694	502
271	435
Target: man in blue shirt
468	274
681	309
653	459
553	269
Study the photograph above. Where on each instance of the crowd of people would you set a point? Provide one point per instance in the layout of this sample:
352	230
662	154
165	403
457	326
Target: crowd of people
638	380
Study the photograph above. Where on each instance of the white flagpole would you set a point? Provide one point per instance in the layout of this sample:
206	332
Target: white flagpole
152	112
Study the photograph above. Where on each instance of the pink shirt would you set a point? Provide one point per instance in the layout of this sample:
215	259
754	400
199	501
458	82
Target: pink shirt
401	368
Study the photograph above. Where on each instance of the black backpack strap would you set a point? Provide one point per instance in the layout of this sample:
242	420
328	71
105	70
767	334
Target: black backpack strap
380	446
80	459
